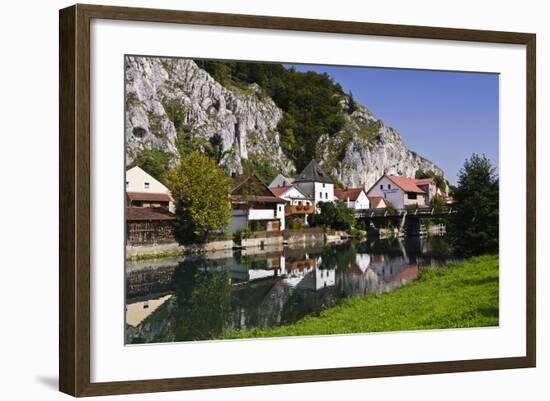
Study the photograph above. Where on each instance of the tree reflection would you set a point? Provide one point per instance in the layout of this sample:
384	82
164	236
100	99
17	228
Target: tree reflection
203	295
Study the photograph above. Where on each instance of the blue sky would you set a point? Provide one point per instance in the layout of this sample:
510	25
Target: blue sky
443	116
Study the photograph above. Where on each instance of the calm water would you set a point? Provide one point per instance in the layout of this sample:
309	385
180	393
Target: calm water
201	297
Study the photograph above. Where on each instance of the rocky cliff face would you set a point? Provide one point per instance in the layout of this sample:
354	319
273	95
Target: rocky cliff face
171	101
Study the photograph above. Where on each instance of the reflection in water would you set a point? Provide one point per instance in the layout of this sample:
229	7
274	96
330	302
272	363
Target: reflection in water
262	288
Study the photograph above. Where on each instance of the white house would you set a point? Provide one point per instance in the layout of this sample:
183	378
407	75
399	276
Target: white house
254	206
315	183
297	204
399	191
143	190
355	198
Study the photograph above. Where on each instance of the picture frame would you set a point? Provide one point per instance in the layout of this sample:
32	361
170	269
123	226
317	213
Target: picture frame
75	204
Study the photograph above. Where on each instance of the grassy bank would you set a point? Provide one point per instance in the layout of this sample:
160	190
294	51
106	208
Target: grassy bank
463	295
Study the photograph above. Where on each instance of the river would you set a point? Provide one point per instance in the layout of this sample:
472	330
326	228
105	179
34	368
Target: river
199	298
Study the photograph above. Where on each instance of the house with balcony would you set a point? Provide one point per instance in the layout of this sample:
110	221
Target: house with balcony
254	206
315	184
401	192
297	204
354	198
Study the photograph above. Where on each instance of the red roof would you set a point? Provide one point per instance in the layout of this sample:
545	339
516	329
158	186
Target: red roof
425	181
351	193
148	214
148	196
375	201
406	184
278	191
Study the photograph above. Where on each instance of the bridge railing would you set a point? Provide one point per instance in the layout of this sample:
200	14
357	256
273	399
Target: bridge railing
422	211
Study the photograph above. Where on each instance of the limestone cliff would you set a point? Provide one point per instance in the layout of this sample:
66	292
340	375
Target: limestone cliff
171	102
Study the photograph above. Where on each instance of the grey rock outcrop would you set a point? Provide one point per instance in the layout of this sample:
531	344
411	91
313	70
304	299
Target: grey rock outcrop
170	102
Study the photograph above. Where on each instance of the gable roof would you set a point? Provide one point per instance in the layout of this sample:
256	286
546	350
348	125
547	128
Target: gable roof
249	184
375	201
313	172
280	191
351	193
148	214
249	187
285	180
424	181
148	196
406	184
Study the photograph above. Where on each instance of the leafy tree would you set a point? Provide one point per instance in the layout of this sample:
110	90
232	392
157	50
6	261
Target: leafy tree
154	162
475	226
438	202
200	190
336	215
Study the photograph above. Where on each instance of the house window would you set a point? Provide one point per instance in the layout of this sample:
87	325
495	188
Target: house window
321	195
127	184
411	195
326	195
146	185
381	186
389	186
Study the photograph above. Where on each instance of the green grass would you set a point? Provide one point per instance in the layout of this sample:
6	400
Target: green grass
462	295
154	255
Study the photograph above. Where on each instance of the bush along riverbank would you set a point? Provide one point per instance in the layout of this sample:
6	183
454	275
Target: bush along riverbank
461	295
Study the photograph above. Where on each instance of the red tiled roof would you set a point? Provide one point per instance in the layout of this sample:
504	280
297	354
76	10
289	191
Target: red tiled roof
351	193
148	196
375	201
148	213
424	181
278	191
406	184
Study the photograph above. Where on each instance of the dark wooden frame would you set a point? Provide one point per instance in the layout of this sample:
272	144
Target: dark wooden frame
74	202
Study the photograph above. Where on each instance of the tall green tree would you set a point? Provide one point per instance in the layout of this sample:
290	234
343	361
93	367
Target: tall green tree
336	215
475	226
200	190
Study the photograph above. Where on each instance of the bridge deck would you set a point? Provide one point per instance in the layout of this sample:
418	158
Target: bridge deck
421	211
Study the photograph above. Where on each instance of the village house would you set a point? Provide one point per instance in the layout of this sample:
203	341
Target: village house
297	205
149	226
149	210
354	198
254	206
399	191
378	202
428	185
315	184
143	190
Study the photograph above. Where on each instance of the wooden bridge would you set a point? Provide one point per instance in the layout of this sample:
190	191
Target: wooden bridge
407	220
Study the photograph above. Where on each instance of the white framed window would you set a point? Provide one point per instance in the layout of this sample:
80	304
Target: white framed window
146	185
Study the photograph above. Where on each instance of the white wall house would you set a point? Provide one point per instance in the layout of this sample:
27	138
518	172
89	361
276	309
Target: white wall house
253	203
145	190
297	204
355	198
399	191
315	184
